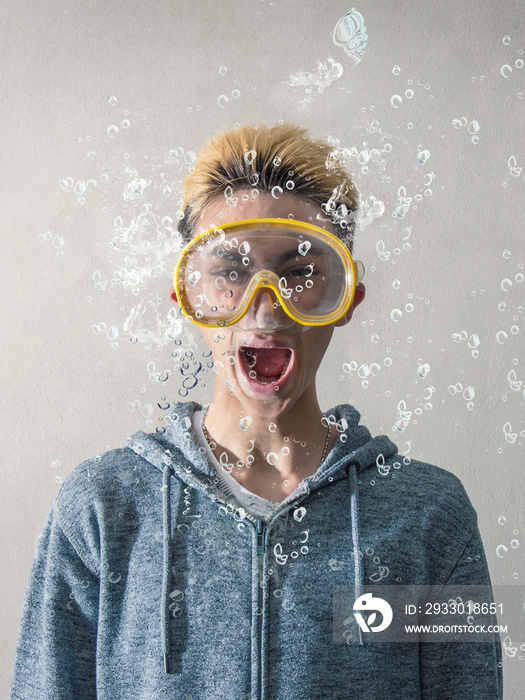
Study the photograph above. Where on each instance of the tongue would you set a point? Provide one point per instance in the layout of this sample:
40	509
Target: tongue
270	362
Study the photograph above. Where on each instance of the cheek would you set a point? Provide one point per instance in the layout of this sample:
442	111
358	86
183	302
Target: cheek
317	346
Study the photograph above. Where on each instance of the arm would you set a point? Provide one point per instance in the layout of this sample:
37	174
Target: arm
460	671
56	650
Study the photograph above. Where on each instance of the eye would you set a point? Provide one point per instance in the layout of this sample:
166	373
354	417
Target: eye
301	271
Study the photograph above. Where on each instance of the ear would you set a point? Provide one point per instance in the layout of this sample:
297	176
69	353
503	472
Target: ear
359	295
173	295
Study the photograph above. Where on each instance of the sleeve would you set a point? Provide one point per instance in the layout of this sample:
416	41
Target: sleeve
56	651
463	670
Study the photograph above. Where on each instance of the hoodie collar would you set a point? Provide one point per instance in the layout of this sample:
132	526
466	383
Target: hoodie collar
178	447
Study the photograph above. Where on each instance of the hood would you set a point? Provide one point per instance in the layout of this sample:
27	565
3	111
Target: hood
175	451
177	445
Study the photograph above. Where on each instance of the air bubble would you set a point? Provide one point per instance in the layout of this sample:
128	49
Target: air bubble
395	315
396	70
423	156
245	422
396	100
112	131
506	70
222	100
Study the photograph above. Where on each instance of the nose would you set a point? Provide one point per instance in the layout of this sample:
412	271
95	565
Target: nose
266	313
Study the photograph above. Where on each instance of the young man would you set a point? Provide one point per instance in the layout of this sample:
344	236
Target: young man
201	563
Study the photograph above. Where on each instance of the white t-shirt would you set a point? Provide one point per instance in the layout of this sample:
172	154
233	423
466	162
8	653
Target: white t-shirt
256	505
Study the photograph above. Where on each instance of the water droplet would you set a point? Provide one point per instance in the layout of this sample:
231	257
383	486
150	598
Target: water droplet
396	70
423	370
112	131
222	100
272	458
514	544
501	550
473	127
58	241
112	100
502	520
396	100
194	277
506	70
506	39
250	156
423	156
469	393
236	94
299	514
223	70
304	247
245	422
409	94
519	63
396	314
501	337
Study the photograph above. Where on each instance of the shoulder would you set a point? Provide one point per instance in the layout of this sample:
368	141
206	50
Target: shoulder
421	495
429	482
423	511
100	476
103	496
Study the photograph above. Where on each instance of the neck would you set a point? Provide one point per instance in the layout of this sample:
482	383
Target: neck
268	454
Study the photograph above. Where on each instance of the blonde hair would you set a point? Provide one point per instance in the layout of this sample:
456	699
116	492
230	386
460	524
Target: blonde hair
282	156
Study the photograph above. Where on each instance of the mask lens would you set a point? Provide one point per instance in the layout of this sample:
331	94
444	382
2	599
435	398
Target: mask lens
221	271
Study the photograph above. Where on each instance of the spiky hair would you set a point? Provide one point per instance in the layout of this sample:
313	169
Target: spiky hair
284	156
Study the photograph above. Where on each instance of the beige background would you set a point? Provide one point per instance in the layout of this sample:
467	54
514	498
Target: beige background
73	387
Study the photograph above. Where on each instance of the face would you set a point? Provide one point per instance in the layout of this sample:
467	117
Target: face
267	371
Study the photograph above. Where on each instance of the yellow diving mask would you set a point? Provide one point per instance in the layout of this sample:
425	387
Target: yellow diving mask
305	270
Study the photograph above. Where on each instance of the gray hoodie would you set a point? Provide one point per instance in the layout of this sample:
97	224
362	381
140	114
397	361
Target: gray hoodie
150	582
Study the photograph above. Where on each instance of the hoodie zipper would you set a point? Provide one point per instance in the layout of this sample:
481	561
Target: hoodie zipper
259	527
260	531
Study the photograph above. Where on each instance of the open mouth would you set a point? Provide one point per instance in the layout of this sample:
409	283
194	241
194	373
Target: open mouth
266	365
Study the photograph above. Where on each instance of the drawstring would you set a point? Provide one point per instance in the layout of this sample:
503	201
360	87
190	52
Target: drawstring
166	537
358	561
